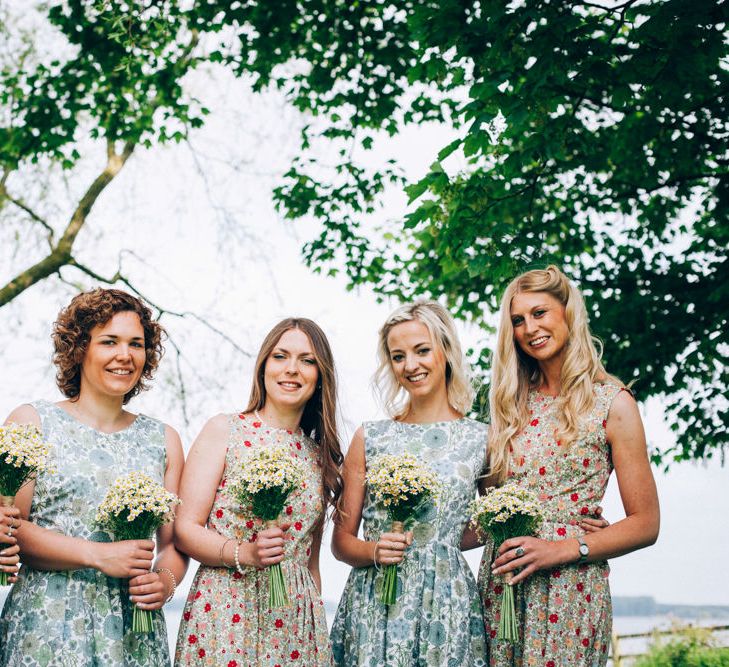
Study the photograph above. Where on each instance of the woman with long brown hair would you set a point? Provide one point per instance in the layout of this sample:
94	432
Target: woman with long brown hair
560	424
227	619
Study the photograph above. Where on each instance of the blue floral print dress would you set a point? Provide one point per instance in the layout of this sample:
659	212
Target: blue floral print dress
82	617
437	617
564	614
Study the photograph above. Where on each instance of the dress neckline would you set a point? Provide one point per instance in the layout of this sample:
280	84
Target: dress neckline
438	423
76	420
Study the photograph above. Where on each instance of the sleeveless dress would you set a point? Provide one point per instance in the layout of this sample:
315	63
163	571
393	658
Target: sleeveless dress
564	614
226	621
82	617
437	617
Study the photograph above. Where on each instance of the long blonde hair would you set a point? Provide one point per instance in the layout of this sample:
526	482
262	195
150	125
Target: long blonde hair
514	373
443	335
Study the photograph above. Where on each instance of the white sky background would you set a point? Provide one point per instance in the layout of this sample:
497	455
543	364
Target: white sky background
213	245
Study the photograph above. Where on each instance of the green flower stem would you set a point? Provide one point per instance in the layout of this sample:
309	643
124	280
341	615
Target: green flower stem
389	585
277	595
389	581
277	587
141	621
508	629
5	501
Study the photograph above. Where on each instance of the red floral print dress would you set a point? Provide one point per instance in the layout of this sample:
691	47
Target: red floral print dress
564	615
226	621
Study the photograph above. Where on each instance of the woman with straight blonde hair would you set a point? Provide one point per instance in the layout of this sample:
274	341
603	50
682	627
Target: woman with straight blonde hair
424	383
559	425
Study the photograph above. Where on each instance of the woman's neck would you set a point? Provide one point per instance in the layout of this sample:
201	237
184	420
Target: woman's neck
99	411
430	409
281	416
551	371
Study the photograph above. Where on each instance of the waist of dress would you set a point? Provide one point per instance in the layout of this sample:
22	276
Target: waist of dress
451	542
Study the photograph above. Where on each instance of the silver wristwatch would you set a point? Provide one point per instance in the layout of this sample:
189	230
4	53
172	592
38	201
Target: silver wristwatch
584	550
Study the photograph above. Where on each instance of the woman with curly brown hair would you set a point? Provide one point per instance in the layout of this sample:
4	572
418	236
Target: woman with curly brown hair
74	597
227	618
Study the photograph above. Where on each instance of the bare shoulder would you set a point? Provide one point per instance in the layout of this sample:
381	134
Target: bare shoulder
623	407
24	414
214	435
173	442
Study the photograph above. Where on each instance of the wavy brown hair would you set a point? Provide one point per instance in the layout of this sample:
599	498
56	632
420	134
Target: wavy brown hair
319	420
72	332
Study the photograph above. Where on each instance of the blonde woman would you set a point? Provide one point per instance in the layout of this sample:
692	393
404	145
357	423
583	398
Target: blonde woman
560	424
423	379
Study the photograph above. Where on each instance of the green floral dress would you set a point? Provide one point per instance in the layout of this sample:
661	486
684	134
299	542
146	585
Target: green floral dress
437	618
227	621
564	614
82	617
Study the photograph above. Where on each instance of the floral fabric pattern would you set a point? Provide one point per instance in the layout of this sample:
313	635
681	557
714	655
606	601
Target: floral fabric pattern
564	614
437	617
82	617
226	621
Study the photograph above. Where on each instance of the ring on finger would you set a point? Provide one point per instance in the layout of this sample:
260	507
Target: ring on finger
519	551
10	531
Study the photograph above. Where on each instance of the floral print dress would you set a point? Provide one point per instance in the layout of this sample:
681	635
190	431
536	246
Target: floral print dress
227	621
82	617
564	614
437	617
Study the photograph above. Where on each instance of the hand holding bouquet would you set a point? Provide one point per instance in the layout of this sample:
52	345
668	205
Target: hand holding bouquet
265	481
22	454
134	507
506	512
403	486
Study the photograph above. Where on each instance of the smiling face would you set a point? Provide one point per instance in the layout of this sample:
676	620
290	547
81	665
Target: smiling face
540	326
115	356
419	366
291	370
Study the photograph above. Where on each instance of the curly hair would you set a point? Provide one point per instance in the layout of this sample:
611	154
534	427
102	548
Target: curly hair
72	329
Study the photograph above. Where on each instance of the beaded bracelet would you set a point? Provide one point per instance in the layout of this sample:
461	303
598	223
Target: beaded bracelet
173	579
235	558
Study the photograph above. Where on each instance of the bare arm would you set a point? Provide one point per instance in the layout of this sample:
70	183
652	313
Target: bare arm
45	549
346	546
313	564
471	539
200	479
151	590
637	487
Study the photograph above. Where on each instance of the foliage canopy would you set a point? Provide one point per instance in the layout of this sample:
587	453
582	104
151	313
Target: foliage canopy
613	162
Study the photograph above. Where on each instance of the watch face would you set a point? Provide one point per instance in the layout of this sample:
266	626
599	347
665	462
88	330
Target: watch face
584	550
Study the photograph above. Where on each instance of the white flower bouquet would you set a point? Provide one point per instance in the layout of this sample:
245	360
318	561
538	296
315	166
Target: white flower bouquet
402	485
134	507
22	454
265	481
505	512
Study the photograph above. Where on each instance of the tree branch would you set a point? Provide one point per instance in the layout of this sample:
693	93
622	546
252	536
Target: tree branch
118	277
61	254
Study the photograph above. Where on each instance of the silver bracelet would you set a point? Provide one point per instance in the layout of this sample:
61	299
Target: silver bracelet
235	558
173	578
374	556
